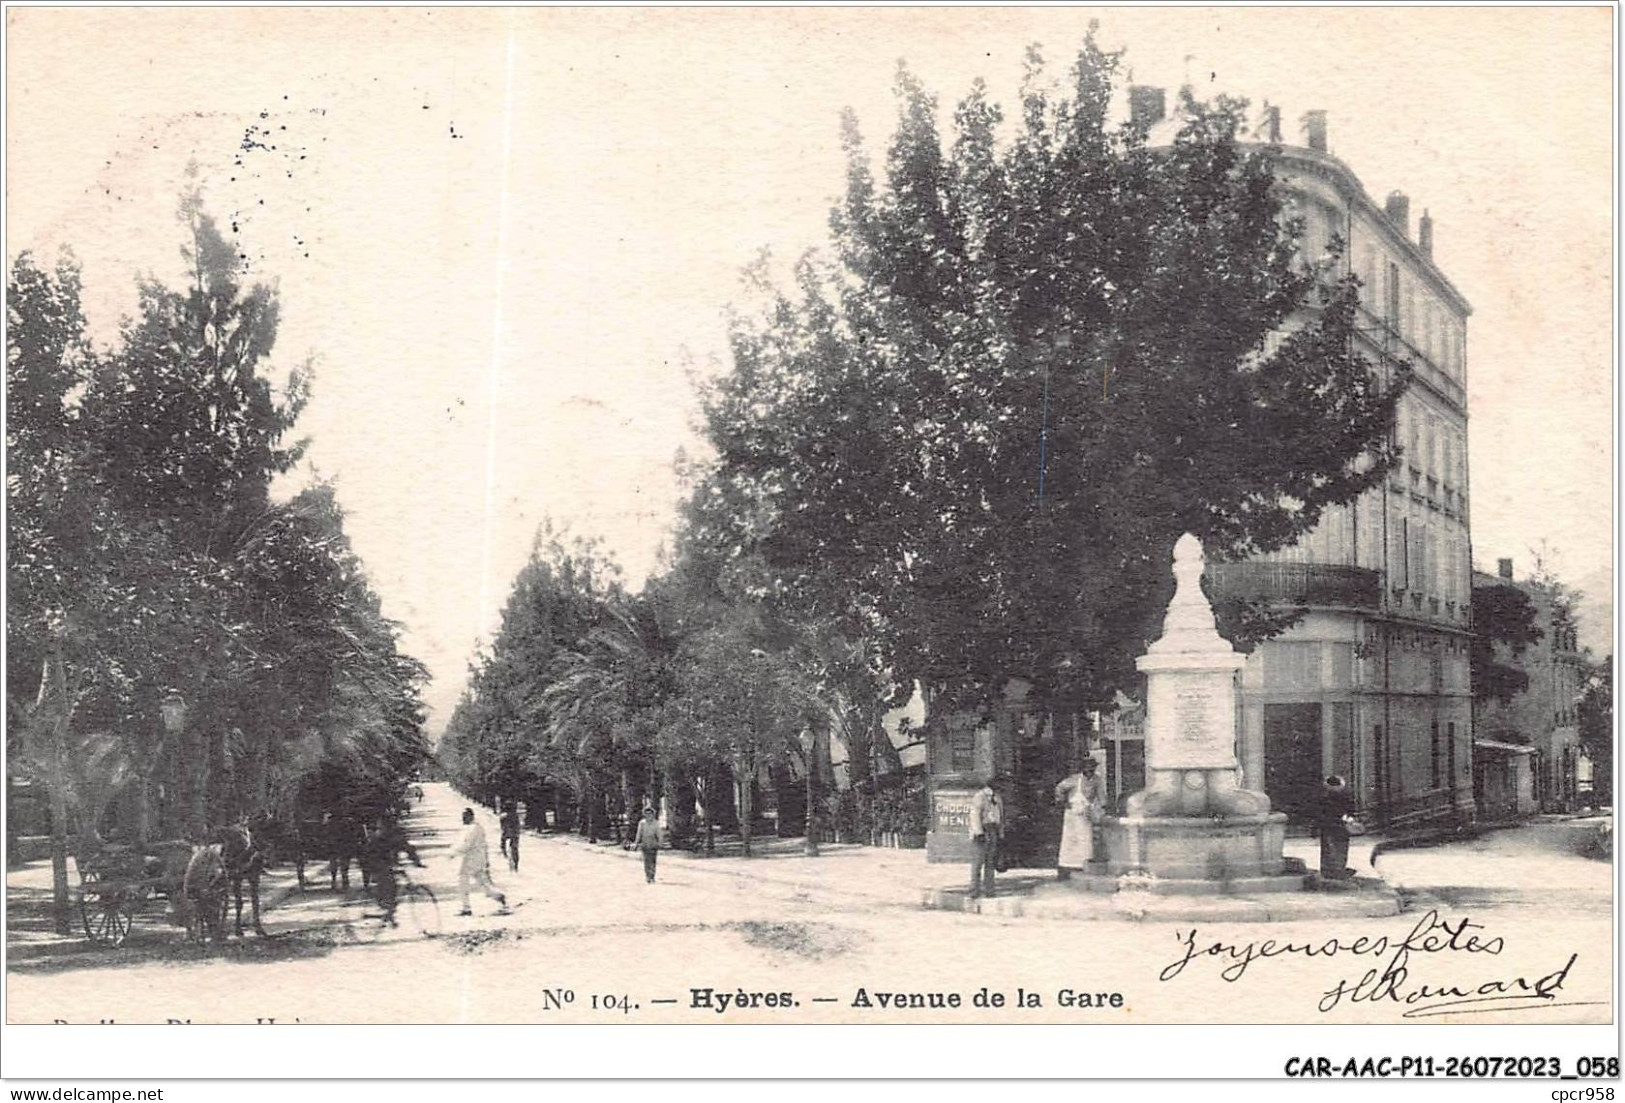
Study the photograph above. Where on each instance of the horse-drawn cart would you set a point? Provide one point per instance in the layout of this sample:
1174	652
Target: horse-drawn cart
119	883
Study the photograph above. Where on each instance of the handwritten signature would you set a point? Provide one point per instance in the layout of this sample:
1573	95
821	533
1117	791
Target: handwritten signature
1390	980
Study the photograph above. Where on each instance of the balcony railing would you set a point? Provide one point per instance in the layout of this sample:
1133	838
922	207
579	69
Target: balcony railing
1310	584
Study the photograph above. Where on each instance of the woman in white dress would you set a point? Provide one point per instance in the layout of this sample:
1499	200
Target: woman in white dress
1081	794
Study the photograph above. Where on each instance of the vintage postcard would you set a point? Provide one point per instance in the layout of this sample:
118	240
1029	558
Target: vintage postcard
817	516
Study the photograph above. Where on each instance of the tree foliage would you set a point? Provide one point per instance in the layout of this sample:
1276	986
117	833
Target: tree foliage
957	450
146	551
1031	365
1597	734
613	697
1503	624
507	737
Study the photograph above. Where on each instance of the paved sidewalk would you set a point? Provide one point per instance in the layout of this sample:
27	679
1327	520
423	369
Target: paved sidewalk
843	876
852	875
868	875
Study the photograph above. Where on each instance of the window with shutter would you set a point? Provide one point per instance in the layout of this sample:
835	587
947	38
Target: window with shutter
1399	559
1417	577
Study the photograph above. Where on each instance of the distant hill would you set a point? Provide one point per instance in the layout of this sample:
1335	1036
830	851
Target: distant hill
1596	611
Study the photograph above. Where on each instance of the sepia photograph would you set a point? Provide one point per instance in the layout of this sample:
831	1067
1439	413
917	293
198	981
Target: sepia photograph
931	517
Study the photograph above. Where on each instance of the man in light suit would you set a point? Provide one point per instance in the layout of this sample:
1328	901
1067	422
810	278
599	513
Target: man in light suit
986	832
474	865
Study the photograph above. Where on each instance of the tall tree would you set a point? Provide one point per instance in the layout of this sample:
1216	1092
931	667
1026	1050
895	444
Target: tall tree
145	555
51	535
50	503
189	425
1503	624
496	736
318	679
736	704
184	432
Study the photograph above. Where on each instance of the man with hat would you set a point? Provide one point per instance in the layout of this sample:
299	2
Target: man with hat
648	841
509	824
1336	805
986	832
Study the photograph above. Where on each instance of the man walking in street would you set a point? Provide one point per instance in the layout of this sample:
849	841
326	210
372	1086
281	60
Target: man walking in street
986	831
648	841
474	865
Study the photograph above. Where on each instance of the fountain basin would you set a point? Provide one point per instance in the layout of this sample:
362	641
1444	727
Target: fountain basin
1198	848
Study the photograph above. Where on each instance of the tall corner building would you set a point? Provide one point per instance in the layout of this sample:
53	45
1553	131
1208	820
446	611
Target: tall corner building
1372	683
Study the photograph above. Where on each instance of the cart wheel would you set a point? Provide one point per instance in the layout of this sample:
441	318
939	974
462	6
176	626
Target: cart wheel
107	919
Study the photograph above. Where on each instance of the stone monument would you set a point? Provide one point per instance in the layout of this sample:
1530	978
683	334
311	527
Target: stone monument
1194	828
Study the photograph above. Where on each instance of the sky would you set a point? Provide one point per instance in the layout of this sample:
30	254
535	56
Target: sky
504	237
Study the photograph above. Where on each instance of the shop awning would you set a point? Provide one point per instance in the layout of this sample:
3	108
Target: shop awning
1505	748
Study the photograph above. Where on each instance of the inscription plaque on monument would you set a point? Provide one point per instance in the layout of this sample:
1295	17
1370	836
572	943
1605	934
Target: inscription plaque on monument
1190	714
1190	723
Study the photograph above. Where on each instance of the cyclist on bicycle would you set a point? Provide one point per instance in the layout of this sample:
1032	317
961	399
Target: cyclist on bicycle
380	857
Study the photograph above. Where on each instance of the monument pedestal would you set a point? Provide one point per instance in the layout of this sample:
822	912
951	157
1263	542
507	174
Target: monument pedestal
1194	828
1235	855
1196	847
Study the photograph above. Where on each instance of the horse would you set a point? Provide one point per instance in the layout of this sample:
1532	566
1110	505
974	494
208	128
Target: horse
335	839
165	864
243	862
203	893
299	841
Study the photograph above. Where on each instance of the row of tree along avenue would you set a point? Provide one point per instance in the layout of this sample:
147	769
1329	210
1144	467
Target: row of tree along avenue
956	450
183	650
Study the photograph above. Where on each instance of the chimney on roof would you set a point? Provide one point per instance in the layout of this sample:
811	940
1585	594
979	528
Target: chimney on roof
1399	211
1424	234
1314	130
1147	106
1503	567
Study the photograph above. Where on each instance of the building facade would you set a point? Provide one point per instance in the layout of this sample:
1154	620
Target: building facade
1372	683
1527	755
